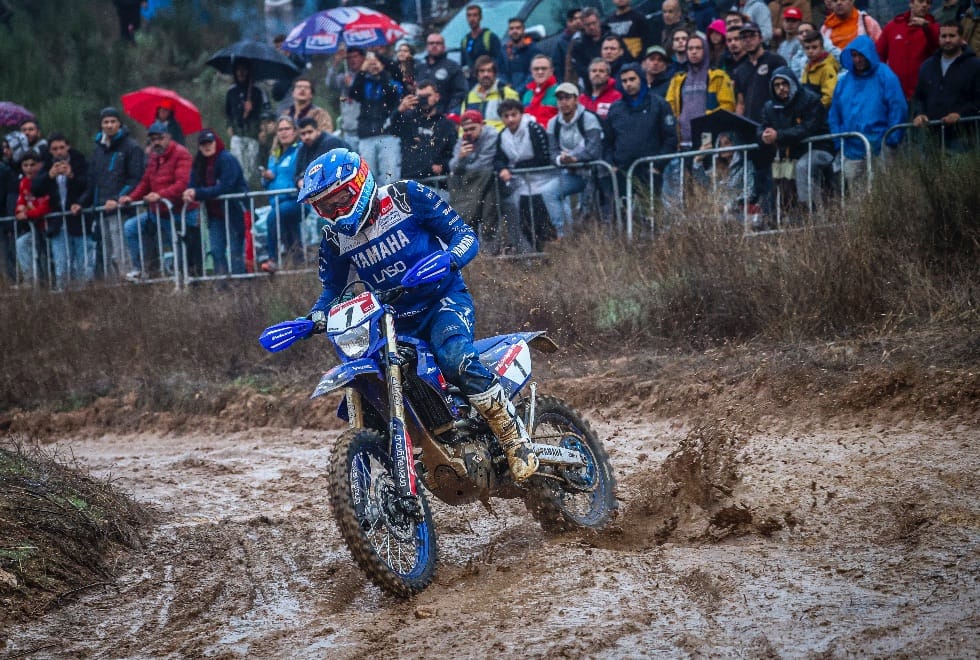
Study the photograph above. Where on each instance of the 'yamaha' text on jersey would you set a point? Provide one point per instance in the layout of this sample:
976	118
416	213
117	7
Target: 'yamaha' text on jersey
412	223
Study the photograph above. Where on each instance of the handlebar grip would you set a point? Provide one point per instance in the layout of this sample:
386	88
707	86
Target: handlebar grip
391	295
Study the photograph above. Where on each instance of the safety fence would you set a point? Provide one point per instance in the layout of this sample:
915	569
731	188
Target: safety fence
743	193
954	137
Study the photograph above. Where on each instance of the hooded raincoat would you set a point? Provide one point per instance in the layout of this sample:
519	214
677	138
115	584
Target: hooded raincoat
869	102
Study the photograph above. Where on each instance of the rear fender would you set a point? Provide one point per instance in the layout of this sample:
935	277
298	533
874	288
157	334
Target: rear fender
537	340
343	374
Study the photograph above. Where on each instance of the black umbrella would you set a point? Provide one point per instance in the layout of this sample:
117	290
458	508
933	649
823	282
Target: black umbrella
265	62
723	121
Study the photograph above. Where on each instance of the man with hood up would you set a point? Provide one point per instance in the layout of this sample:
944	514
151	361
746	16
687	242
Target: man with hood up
639	125
793	114
698	90
116	166
215	172
869	100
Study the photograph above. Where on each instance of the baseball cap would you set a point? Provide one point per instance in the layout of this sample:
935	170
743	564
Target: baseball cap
794	13
205	136
567	88
656	50
157	128
750	27
471	115
717	25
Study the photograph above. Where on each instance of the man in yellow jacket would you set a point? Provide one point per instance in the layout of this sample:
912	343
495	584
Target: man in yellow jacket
697	91
822	68
488	92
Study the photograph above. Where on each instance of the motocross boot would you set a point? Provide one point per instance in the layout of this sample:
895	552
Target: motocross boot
499	412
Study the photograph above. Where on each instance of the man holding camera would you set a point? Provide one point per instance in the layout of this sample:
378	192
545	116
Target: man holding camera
427	137
63	178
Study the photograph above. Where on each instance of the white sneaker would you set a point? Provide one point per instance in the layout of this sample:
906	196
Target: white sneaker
134	276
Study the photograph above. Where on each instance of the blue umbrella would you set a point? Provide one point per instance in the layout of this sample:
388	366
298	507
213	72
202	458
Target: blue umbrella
323	32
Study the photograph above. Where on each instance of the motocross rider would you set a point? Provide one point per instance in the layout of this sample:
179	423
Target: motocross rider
383	230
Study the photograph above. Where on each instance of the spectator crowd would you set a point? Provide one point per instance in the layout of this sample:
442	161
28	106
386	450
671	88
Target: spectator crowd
618	88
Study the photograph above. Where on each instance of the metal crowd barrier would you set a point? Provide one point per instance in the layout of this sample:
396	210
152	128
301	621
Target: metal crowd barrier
964	124
103	246
675	163
231	266
506	204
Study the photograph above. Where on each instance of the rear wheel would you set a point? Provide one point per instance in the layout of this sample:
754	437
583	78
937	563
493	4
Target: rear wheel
394	548
560	498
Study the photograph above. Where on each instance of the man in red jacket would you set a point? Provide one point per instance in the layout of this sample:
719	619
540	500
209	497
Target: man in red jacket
167	175
602	89
908	41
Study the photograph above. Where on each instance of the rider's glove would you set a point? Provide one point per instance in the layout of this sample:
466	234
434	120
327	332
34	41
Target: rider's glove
319	318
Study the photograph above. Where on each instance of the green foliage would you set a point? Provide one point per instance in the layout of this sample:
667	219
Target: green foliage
65	75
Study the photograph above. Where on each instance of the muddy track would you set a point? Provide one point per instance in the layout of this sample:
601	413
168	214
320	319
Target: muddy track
823	538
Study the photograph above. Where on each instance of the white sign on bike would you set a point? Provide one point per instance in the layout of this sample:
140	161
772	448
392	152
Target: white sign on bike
515	366
351	313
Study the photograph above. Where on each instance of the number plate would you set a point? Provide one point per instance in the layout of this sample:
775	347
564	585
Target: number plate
515	365
352	313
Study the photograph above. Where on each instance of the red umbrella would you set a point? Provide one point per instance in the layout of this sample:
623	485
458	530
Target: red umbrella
142	106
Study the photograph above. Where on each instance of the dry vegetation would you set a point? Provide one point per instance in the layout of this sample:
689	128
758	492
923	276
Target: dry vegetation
904	261
58	530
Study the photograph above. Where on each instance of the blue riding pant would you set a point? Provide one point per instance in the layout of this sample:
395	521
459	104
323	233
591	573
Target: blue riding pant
448	328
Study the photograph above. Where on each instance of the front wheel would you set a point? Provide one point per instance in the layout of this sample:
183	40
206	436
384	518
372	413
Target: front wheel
563	499
395	549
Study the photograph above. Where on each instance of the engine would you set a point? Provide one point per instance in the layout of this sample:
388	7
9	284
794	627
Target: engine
468	475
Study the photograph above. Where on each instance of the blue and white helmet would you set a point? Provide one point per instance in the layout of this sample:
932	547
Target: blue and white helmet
341	189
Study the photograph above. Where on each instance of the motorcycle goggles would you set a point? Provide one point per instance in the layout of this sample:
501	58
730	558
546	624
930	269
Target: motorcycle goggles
337	202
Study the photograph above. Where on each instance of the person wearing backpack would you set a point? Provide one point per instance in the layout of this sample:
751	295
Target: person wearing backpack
574	136
478	41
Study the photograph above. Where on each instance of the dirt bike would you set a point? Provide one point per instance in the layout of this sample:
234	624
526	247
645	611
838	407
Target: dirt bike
408	424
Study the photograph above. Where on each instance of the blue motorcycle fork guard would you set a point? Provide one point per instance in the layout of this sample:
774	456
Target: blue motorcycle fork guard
401	444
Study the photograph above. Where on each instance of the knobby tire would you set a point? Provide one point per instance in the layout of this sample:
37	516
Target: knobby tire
546	498
353	446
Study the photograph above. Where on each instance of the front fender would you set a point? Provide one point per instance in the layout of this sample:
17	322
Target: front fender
344	373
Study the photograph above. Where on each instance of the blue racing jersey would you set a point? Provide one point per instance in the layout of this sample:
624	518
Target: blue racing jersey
412	223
